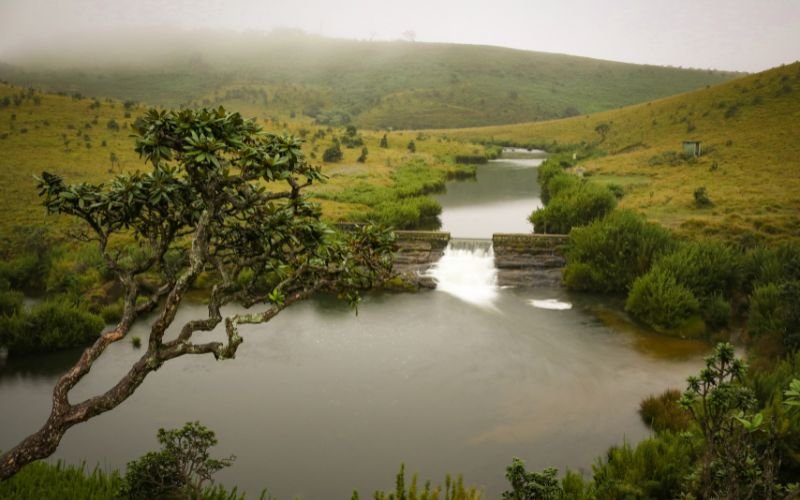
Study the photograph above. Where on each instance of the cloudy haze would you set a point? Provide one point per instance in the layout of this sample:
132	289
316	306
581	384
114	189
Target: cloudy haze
730	35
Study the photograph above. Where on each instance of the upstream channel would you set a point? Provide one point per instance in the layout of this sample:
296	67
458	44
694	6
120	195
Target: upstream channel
321	401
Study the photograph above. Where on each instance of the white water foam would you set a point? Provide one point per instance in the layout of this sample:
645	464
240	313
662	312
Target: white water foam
553	304
466	270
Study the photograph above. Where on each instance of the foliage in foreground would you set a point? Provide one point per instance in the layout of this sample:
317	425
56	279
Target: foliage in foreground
43	481
735	445
49	326
203	209
454	489
179	470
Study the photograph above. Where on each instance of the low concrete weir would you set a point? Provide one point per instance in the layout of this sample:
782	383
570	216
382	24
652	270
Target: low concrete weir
520	259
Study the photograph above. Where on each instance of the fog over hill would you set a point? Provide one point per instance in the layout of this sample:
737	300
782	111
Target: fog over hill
377	84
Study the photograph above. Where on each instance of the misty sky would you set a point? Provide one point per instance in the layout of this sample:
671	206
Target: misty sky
745	35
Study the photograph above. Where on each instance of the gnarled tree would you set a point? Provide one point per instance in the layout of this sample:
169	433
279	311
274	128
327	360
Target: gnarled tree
209	205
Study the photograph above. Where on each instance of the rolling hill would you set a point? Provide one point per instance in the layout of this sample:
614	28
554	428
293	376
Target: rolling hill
89	140
749	130
375	85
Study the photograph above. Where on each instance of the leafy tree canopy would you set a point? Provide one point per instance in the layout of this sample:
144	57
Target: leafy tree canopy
212	204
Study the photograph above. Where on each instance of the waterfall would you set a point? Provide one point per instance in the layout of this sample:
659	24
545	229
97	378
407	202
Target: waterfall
466	270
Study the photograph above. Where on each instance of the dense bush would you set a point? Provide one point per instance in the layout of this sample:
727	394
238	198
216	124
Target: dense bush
774	311
10	300
663	413
572	204
658	300
26	272
608	254
549	170
50	326
332	154
179	469
706	267
656	468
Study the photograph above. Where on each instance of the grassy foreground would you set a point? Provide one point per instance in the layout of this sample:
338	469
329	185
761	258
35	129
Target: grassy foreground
749	166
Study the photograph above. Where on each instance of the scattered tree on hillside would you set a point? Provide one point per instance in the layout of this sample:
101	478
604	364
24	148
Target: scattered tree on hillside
412	148
333	153
203	208
384	141
114	161
363	157
602	130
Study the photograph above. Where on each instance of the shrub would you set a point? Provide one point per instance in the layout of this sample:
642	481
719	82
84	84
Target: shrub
617	190
572	206
531	485
716	311
610	253
546	173
179	469
658	300
26	272
774	311
701	199
10	300
581	276
332	154
771	265
707	268
663	413
656	468
50	326
112	313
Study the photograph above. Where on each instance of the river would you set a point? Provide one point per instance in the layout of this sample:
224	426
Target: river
321	401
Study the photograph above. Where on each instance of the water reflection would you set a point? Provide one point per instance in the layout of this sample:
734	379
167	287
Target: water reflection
505	194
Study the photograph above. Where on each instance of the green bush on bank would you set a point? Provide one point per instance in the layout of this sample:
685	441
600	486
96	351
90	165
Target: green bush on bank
610	253
573	204
49	326
658	300
708	268
696	277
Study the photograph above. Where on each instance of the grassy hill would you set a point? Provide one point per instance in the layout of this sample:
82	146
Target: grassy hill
749	130
401	85
77	138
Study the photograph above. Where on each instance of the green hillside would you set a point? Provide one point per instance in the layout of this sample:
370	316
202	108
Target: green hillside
89	140
749	166
371	84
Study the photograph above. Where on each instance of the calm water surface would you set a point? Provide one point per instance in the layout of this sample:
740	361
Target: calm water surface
321	401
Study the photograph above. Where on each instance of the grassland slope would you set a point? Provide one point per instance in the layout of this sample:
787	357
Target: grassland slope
89	140
749	130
